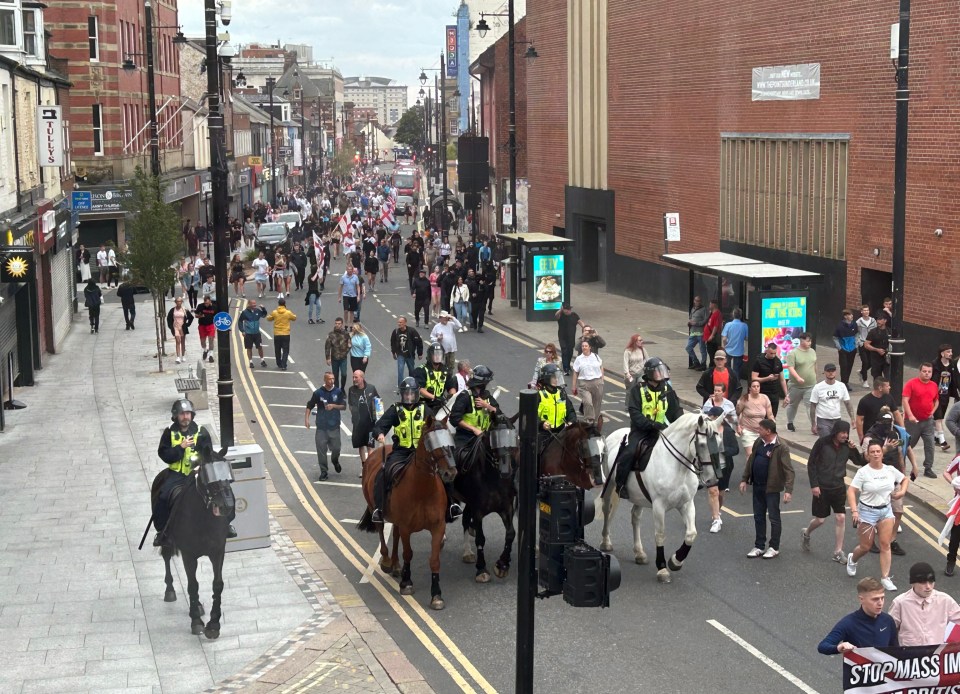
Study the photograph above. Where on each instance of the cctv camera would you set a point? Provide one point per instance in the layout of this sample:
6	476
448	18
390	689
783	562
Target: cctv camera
938	233
226	12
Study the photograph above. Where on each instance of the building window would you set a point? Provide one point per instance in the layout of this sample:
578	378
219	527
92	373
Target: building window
8	27
785	193
30	43
93	38
97	130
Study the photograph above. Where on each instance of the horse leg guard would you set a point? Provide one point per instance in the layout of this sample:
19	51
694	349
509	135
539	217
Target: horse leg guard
661	561
406	585
676	561
436	599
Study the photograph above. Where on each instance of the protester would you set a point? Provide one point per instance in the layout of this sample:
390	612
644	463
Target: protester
867	627
923	612
769	471
281	319
827	469
329	401
362	399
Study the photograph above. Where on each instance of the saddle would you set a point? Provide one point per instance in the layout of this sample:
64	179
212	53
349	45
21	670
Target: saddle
636	457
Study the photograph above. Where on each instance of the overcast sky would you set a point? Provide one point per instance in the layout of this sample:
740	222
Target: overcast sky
386	38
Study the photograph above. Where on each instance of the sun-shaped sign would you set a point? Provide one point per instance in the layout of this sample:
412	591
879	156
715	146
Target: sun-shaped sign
17	267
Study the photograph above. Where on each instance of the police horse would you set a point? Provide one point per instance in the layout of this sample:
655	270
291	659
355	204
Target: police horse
198	526
485	482
685	455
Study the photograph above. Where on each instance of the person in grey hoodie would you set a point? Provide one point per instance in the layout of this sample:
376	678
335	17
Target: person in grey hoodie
698	318
865	323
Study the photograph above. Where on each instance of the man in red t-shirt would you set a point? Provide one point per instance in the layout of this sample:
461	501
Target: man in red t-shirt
712	332
920	399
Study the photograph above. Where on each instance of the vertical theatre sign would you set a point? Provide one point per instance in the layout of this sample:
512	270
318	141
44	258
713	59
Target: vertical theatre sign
451	50
50	135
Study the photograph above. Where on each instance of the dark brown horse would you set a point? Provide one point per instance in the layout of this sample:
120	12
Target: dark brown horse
574	453
417	501
197	528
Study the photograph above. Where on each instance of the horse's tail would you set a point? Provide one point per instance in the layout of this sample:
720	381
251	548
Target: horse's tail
366	523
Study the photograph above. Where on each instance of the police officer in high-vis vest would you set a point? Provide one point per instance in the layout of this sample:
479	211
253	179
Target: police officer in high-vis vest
431	377
406	418
475	409
554	409
652	404
182	446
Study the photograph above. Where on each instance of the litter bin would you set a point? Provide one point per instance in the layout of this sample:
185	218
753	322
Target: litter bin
250	489
508	284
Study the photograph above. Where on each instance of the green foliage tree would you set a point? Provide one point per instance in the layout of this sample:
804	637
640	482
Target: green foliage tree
342	164
410	129
451	151
154	243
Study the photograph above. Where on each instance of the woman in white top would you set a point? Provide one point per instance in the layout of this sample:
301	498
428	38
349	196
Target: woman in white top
730	449
460	300
877	484
588	376
633	358
261	269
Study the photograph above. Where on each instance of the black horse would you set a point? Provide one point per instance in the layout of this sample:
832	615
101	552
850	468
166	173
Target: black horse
485	482
198	526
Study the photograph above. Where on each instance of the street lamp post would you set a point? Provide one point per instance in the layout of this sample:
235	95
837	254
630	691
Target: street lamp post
443	141
218	179
271	83
900	201
152	94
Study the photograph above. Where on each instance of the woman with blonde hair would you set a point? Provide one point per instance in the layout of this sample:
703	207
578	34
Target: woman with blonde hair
549	356
752	407
360	348
633	358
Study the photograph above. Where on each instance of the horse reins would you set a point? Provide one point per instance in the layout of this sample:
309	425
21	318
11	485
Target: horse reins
696	465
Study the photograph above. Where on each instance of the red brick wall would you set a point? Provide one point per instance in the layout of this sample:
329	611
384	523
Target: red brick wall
546	111
671	98
499	107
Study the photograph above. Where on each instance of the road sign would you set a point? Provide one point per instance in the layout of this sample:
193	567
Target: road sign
223	321
671	224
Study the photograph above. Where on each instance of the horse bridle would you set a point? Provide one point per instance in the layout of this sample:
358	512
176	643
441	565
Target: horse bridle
585	465
694	465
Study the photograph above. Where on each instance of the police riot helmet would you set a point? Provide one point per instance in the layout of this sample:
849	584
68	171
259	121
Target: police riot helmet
655	369
435	353
180	406
409	391
549	376
481	376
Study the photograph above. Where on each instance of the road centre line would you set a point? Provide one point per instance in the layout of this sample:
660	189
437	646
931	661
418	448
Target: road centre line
282	388
341	539
342	455
769	662
279	404
328	483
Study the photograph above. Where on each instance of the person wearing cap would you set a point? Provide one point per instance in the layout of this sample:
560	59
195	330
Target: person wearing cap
445	333
827	469
768	372
719	406
770	472
825	399
720	374
867	627
281	319
923	612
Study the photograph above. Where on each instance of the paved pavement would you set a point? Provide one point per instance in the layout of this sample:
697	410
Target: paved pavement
616	318
81	609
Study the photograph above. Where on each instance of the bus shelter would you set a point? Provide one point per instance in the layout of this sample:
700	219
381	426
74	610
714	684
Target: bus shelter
537	272
778	302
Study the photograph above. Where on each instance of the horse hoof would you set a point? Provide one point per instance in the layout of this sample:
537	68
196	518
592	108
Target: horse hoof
482	577
436	603
640	559
406	590
211	633
469	558
673	565
386	567
395	572
196	629
663	576
606	546
501	571
170	596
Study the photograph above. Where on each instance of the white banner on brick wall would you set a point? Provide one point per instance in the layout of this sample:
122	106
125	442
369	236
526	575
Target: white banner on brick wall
786	82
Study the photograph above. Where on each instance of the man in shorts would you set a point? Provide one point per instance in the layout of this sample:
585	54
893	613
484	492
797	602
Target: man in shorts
249	325
349	294
826	468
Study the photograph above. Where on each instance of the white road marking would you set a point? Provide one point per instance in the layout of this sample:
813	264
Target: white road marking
350	520
264	370
277	404
342	455
265	334
790	677
282	388
375	557
328	483
345	430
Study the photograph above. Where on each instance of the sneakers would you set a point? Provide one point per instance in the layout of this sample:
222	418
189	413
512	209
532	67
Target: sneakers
790	426
951	565
716	525
336	466
771	553
263	362
178	360
851	565
205	353
754	553
866	385
310	321
929	473
944	446
210	359
804	541
839	557
251	363
887	583
324	477
895	548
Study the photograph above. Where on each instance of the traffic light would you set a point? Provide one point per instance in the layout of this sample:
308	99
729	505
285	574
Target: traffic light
567	565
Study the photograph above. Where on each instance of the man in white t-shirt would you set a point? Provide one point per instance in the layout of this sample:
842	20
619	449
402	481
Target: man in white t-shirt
444	332
825	399
113	273
103	265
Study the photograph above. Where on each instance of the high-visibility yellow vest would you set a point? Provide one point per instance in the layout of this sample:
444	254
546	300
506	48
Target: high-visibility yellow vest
477	418
185	464
552	408
654	405
410	428
435	380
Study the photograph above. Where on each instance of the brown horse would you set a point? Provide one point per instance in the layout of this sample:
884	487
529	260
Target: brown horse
417	501
574	453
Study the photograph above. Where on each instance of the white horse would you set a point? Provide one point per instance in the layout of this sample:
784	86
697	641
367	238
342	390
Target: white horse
680	460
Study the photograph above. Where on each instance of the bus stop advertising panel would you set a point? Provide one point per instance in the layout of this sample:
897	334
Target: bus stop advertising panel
548	286
783	318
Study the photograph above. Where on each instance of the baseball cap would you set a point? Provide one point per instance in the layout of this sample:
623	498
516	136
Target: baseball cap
886	415
715	411
830	367
922	571
720	354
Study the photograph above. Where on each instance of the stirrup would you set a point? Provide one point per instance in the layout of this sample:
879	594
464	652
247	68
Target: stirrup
158	540
624	492
455	511
231	531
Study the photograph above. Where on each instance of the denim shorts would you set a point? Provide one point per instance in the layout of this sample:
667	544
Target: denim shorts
872	516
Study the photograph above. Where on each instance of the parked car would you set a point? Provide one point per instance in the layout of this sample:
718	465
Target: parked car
291	219
273	236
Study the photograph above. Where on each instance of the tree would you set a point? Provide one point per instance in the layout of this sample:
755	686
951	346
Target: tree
410	129
342	164
153	245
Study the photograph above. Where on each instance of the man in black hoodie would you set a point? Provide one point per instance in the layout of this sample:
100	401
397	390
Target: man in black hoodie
420	291
827	467
126	292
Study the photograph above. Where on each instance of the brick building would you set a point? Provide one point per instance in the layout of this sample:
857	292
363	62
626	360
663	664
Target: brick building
629	127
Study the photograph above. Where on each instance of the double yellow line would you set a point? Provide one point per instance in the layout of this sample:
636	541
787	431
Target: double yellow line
406	607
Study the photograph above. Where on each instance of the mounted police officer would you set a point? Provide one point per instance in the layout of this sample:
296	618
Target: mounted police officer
432	379
554	409
183	445
473	412
406	418
652	404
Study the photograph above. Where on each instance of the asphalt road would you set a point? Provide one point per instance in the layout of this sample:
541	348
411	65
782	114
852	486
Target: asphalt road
727	623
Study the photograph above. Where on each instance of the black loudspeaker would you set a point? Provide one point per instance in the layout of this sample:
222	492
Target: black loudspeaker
471	201
473	164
